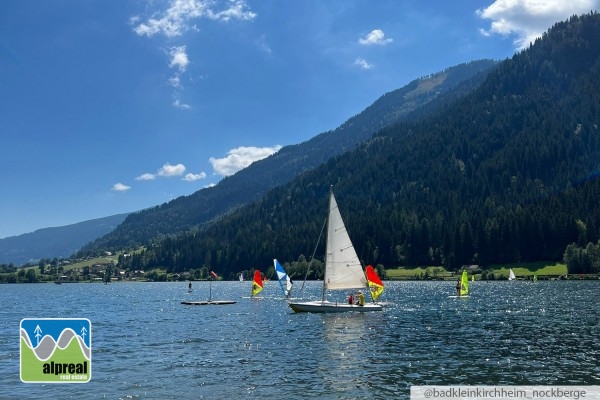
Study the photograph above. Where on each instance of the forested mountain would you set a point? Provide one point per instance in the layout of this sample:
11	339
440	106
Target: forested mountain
54	242
249	184
505	173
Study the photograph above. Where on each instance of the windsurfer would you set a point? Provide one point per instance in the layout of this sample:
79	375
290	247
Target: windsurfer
458	286
351	299
190	286
361	298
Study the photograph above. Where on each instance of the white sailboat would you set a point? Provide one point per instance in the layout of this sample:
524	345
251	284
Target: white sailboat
342	268
511	275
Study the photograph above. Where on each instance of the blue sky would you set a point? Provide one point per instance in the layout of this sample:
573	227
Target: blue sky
114	106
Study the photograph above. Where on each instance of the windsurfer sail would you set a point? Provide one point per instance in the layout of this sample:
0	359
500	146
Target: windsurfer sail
375	284
464	284
285	282
257	283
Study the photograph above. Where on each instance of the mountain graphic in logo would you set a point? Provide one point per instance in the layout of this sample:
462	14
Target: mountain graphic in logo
56	350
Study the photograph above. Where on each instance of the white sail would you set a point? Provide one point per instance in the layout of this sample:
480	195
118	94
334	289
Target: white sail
511	275
342	269
342	266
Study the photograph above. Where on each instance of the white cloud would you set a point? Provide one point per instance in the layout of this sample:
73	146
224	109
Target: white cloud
175	81
146	177
240	157
194	177
529	19
179	17
179	58
177	103
237	10
361	62
171	170
119	187
167	170
175	20
376	36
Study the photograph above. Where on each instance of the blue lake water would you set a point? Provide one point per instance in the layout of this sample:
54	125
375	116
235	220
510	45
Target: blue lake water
146	345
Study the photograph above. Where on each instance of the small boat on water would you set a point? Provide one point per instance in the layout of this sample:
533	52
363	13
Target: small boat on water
342	269
511	275
210	301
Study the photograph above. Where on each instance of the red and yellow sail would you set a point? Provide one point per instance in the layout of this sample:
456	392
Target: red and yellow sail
375	284
257	283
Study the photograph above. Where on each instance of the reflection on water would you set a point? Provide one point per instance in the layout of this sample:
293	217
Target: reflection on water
147	345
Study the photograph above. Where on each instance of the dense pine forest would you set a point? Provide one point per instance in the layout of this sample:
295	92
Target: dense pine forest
506	173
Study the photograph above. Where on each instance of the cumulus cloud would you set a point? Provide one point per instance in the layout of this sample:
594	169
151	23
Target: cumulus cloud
179	58
145	177
361	62
168	170
529	19
176	19
376	36
240	157
119	187
194	177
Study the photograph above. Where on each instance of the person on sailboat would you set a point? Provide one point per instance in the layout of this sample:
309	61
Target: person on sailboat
361	298
458	287
351	298
288	292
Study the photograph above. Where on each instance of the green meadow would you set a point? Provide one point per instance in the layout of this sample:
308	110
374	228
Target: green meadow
542	269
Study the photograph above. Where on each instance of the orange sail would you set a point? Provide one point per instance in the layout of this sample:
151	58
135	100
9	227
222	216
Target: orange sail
257	283
374	283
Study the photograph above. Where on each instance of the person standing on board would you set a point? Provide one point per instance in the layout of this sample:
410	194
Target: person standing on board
361	298
458	286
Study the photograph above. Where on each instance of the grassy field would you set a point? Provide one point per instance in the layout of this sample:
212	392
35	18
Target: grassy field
521	270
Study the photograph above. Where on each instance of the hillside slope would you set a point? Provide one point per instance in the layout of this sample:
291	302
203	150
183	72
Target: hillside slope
506	173
251	183
54	242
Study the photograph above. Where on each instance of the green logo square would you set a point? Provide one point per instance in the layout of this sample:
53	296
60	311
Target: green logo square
56	350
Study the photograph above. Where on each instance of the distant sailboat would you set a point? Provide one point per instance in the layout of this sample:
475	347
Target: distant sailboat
342	268
285	282
534	278
257	283
210	301
375	284
242	277
511	275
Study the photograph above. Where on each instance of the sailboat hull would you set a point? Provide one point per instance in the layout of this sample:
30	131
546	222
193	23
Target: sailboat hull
329	307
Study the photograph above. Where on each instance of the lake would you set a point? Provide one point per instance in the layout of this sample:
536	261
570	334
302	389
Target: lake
146	345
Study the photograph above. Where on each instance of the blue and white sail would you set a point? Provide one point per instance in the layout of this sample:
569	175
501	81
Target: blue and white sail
284	279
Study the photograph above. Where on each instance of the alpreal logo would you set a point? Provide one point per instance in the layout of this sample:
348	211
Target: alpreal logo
56	350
